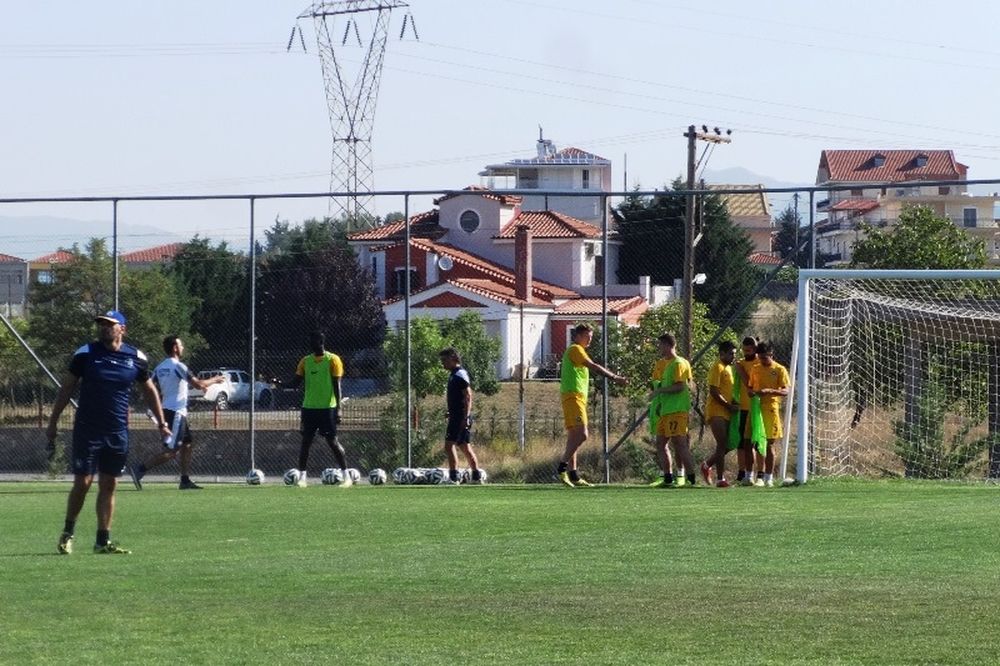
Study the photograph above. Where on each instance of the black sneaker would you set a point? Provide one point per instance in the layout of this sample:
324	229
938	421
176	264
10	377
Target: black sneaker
189	485
137	472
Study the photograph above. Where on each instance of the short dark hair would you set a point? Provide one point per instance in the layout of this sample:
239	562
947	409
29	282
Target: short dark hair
581	328
726	346
452	353
750	340
317	338
765	349
168	344
668	339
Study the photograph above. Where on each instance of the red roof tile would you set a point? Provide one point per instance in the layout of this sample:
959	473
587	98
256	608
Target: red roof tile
152	254
593	306
859	205
764	259
57	257
9	258
448	299
550	224
858	166
421	224
486	193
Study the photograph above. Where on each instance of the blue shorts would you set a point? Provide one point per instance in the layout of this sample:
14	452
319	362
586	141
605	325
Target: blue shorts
105	453
459	431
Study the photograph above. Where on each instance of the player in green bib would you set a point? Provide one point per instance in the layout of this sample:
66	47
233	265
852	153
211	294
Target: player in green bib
321	371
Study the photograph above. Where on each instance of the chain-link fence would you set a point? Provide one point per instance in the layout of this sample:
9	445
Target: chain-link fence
501	276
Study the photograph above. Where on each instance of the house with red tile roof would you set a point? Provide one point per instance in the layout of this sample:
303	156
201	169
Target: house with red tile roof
882	183
750	211
530	272
151	256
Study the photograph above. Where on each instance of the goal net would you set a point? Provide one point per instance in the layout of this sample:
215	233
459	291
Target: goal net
898	374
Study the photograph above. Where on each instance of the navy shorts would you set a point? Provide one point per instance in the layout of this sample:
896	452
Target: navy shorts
744	419
105	453
322	421
180	432
458	431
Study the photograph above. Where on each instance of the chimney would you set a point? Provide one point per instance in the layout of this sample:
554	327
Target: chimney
522	262
644	288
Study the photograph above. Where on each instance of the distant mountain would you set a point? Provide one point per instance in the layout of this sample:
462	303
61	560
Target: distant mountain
32	236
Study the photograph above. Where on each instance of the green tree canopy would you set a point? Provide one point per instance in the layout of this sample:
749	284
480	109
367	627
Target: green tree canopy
920	239
791	234
480	352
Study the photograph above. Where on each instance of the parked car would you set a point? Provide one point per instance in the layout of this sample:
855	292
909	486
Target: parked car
234	391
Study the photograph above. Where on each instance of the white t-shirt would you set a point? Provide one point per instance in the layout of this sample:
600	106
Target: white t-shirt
172	376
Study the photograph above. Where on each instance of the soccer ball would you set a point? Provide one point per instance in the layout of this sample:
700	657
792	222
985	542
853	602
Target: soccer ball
465	475
482	475
377	477
330	476
398	474
291	477
353	474
255	477
435	475
412	476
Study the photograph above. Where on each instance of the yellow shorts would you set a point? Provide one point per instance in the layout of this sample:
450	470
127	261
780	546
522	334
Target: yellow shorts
672	425
772	424
574	407
712	411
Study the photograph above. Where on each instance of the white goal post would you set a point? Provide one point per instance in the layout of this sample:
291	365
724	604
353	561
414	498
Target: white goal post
897	373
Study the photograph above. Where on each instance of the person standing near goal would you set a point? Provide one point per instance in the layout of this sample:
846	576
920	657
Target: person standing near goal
742	370
458	432
321	371
574	384
770	381
671	395
105	371
173	378
720	408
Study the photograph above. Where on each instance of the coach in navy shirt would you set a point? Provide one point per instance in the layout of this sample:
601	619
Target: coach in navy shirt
105	371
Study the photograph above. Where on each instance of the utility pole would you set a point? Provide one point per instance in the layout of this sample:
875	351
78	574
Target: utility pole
693	136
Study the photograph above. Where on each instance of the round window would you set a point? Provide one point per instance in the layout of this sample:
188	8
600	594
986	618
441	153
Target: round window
469	220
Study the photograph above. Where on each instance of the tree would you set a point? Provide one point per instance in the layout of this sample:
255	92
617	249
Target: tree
652	235
216	279
62	312
309	279
427	376
919	239
792	234
479	351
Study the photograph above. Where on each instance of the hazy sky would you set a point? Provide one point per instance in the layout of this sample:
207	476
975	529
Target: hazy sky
188	97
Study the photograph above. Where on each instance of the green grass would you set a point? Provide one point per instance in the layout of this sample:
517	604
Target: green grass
833	573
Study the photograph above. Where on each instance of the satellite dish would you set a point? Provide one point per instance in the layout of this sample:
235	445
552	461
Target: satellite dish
445	263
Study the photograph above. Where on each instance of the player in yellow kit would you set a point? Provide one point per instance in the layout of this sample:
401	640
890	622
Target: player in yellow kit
741	376
671	398
573	386
720	408
770	381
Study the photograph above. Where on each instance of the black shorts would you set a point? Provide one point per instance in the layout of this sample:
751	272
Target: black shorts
105	453
458	431
322	421
744	420
180	431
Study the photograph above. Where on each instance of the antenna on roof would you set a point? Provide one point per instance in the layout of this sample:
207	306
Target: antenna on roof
540	138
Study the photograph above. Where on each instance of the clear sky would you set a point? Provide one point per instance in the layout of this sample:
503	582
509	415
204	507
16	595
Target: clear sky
191	97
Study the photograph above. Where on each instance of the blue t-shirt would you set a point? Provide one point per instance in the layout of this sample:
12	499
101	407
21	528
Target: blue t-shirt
457	383
106	378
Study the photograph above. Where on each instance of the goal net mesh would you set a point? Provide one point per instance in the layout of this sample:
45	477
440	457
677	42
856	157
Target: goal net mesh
903	377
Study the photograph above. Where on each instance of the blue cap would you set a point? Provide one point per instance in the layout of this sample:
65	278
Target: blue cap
111	316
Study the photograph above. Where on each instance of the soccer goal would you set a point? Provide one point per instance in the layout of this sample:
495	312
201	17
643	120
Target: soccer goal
898	374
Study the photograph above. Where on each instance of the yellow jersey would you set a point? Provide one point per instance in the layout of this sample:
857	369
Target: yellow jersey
748	365
773	376
721	377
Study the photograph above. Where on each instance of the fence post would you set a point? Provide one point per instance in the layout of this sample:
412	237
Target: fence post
605	432
114	248
253	339
406	320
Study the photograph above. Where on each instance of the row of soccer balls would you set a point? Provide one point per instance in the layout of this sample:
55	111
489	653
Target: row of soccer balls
332	476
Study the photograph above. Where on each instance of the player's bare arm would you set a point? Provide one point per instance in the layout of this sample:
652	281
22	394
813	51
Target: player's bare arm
152	397
202	384
600	369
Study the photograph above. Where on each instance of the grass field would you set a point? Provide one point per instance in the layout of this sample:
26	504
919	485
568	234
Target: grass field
838	572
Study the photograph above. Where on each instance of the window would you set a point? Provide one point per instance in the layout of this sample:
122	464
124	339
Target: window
44	277
944	191
920	160
399	283
969	217
586	179
469	221
599	270
527	179
878	160
857	193
901	192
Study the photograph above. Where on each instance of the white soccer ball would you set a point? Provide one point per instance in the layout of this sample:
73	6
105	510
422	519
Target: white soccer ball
353	474
436	475
330	476
255	477
465	475
412	476
483	476
398	474
377	477
291	477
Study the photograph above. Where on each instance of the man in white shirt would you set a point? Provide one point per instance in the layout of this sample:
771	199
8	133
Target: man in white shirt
173	378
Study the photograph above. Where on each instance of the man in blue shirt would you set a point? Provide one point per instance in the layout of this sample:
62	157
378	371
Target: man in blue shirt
458	433
105	371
